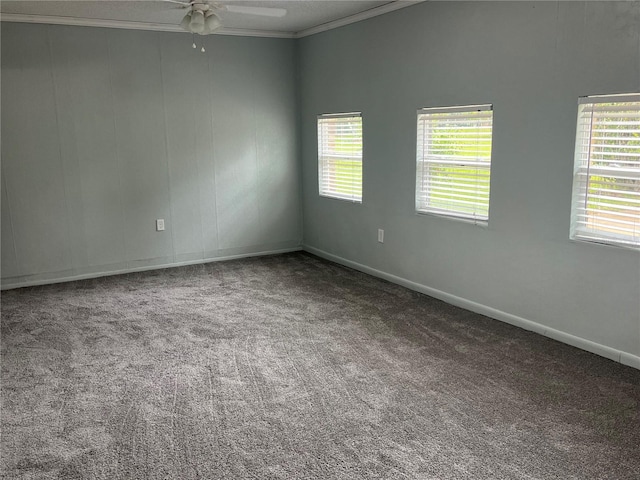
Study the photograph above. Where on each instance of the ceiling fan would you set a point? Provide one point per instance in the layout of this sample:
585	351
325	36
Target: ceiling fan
202	16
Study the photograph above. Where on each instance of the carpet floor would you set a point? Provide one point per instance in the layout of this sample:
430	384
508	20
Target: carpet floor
292	367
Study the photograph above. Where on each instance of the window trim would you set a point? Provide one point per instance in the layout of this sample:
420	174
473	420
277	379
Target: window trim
577	231
475	219
336	195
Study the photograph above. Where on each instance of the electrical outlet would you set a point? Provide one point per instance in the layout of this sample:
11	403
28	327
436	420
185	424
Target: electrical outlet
380	235
160	224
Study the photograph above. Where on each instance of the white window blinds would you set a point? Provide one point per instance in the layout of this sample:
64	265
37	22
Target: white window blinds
454	161
606	182
340	156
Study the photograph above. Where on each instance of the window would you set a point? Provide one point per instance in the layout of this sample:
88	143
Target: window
340	156
606	181
454	161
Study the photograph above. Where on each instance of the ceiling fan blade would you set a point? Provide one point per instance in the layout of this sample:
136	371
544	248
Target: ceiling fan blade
184	4
261	11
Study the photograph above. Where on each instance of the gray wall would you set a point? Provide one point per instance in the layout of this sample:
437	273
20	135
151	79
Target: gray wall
103	131
531	61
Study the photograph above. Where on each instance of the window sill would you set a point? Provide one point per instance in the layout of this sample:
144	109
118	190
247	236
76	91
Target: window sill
471	221
342	199
606	243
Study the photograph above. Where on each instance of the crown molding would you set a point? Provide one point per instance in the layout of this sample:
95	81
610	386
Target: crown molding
373	12
240	32
157	27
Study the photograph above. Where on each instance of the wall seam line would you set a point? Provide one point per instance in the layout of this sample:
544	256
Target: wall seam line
166	150
13	236
117	151
56	108
213	154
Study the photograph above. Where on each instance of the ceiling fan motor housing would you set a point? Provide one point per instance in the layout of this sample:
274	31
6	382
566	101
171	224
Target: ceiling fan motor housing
201	7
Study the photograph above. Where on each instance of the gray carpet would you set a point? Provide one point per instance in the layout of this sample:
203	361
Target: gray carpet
291	367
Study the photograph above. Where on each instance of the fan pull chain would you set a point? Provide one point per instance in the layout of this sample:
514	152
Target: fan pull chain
194	46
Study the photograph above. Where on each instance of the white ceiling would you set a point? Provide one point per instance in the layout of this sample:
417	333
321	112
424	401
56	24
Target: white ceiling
304	17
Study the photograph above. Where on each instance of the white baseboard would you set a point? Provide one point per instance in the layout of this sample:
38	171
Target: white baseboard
630	360
71	278
602	350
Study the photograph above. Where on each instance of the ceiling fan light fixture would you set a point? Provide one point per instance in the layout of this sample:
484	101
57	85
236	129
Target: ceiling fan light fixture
211	22
184	24
197	22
